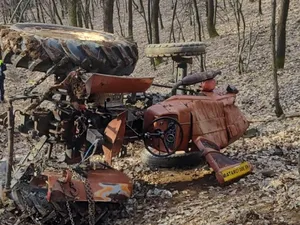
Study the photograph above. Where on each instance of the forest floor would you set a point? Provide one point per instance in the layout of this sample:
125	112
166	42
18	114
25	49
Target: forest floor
271	195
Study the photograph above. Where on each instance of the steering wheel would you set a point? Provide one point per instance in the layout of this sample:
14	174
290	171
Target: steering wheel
165	130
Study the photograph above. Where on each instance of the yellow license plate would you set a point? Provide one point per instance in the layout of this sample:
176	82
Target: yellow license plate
236	171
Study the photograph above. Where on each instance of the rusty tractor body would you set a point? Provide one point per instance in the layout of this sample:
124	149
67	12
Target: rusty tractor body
205	123
95	115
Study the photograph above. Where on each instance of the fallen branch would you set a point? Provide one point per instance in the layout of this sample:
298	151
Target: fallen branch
289	116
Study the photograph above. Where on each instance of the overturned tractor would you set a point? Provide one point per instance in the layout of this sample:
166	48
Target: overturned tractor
97	113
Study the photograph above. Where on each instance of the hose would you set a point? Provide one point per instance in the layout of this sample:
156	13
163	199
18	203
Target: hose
94	144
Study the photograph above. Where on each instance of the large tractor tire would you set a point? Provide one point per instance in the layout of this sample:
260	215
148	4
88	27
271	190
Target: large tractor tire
180	160
33	203
175	49
38	47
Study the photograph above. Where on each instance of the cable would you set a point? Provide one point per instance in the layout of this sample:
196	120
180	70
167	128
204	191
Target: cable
89	149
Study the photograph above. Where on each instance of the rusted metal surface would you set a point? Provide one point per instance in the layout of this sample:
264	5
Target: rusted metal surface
212	116
220	163
108	185
114	136
100	83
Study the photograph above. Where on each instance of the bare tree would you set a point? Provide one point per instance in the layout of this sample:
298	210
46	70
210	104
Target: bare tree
119	17
172	34
155	21
281	34
108	16
241	31
244	39
72	12
210	19
141	10
278	108
259	8
130	20
199	31
16	7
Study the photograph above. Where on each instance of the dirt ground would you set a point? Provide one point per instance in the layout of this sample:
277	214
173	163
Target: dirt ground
271	195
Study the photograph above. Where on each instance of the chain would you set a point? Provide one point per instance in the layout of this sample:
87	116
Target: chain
70	212
68	205
90	198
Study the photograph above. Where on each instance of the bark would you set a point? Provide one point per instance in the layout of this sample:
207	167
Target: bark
199	31
281	34
42	11
62	8
23	11
149	19
210	19
16	7
172	24
108	16
87	14
119	17
155	21
72	11
197	19
278	108
130	20
37	11
259	8
56	12
79	14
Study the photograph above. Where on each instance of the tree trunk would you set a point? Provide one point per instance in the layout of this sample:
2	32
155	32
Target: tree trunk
149	19
197	19
37	11
108	25
155	21
56	12
16	9
72	12
130	20
199	31
215	11
259	8
79	10
278	109
281	34
62	8
210	19
86	10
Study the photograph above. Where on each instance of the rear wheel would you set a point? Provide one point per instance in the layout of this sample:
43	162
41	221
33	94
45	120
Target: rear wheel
38	47
177	160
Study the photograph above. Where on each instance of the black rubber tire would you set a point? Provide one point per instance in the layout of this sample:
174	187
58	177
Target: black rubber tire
175	49
38	47
51	213
190	159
